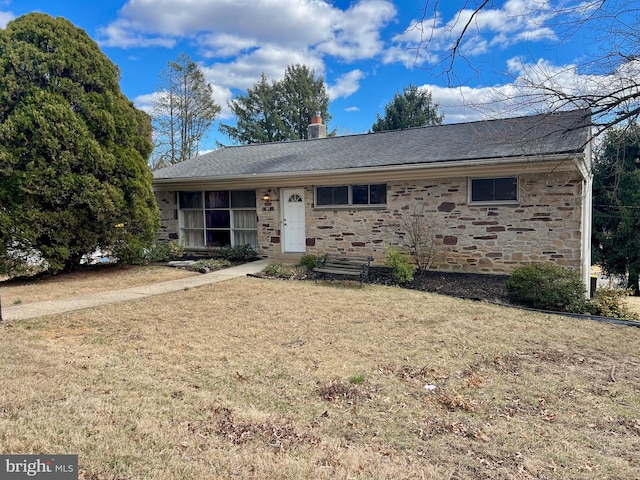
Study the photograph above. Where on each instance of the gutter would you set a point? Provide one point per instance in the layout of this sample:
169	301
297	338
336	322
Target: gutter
463	168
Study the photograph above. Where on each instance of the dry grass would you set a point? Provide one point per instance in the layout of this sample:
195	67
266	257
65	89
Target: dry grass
85	282
634	304
257	379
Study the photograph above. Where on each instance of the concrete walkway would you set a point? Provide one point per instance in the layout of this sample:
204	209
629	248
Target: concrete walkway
62	305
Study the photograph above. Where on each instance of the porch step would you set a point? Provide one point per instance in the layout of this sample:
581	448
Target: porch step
286	257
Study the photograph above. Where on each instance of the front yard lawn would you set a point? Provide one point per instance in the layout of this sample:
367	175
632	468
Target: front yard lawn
254	378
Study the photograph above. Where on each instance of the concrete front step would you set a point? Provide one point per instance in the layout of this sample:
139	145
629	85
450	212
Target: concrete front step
286	257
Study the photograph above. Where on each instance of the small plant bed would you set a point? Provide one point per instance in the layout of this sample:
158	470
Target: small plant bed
463	285
480	286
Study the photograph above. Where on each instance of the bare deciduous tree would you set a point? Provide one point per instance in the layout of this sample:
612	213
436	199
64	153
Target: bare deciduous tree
607	80
420	234
182	113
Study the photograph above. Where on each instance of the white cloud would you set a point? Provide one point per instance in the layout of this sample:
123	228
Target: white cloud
244	71
229	27
145	102
352	109
346	85
225	45
536	87
514	21
356	31
6	17
126	34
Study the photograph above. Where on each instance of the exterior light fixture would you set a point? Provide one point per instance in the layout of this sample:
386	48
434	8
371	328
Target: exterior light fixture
266	197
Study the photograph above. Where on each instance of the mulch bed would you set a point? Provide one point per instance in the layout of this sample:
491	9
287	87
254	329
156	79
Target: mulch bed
476	286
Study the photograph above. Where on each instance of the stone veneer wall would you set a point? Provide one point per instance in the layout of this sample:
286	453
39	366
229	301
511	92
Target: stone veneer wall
269	215
167	203
544	226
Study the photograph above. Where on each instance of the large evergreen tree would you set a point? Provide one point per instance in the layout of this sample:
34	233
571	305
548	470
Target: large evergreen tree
616	205
73	149
280	110
411	108
183	112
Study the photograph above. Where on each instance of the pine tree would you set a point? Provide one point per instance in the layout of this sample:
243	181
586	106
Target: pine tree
616	205
73	150
280	110
412	108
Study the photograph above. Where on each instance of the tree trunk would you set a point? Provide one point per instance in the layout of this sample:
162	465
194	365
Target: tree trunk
634	276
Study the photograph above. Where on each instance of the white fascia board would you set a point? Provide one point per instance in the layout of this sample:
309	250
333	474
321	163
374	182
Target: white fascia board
465	168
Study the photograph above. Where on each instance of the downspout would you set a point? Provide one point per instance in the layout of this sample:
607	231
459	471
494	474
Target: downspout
587	215
587	212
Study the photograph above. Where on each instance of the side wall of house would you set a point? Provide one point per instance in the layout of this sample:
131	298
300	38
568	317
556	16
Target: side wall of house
167	203
544	226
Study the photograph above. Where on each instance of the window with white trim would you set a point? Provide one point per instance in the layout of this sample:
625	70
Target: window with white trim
493	190
218	218
351	195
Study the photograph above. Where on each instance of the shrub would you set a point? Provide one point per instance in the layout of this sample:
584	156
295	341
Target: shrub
609	302
209	265
157	253
130	252
164	252
239	253
176	249
403	269
547	287
310	261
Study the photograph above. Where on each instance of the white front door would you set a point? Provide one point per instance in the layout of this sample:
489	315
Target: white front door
293	219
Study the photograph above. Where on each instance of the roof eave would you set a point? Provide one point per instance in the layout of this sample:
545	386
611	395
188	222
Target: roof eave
462	168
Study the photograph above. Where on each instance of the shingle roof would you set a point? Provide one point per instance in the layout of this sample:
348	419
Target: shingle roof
538	135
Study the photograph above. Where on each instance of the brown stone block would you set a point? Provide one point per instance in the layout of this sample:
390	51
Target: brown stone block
310	242
499	228
275	240
485	237
358	244
446	207
450	240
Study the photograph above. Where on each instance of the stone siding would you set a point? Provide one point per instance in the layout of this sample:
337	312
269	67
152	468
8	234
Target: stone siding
269	221
544	226
167	203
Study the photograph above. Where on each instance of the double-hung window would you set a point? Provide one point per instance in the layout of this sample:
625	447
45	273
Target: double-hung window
218	218
493	190
352	195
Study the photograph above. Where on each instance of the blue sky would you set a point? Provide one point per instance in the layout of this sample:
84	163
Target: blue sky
365	49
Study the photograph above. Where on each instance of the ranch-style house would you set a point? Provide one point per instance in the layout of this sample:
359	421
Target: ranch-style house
496	193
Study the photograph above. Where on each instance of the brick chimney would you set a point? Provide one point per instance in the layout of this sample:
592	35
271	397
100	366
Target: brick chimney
317	129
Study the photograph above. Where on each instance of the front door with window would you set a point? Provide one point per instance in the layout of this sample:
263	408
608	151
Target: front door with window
293	220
